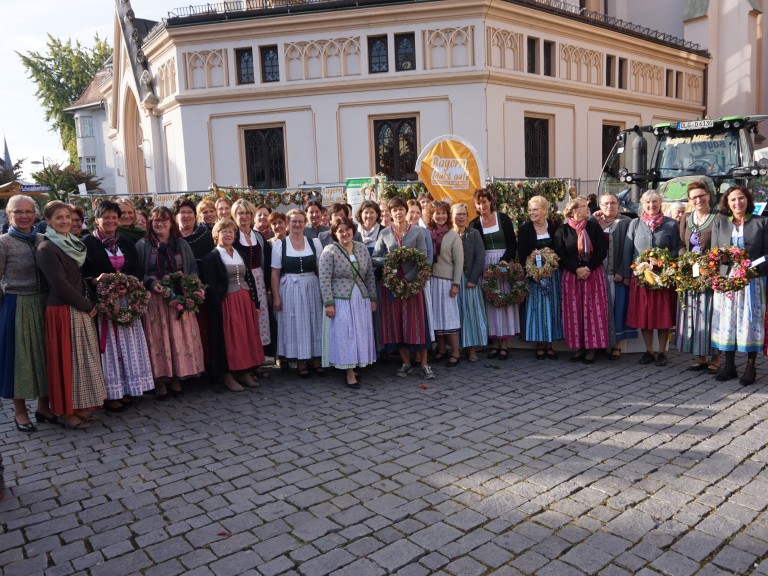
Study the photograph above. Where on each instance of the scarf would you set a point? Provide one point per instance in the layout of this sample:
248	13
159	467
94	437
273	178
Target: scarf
166	254
653	222
437	234
132	233
369	236
31	237
70	245
583	243
110	243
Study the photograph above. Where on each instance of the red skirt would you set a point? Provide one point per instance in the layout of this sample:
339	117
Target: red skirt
585	310
651	309
242	340
403	321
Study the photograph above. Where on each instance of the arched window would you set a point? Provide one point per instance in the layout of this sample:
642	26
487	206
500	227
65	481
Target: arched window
265	158
245	66
405	52
378	59
396	148
270	66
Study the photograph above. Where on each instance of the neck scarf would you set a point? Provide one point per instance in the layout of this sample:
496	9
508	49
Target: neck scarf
370	236
110	243
583	243
437	234
132	233
166	254
31	237
70	245
653	222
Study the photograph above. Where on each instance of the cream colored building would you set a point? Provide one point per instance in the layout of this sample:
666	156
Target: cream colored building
278	93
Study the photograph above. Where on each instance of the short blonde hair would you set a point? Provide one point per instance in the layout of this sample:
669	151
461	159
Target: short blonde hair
225	223
295	211
202	205
243	203
541	201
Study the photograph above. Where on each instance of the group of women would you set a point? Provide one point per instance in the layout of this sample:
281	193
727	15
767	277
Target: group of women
271	287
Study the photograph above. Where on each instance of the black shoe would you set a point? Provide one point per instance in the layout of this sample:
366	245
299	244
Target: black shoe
589	357
578	357
661	359
42	418
749	375
647	358
110	408
28	427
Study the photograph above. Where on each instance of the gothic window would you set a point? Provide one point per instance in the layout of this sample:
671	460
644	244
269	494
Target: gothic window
378	57
405	52
270	66
396	148
265	158
244	59
610	133
536	147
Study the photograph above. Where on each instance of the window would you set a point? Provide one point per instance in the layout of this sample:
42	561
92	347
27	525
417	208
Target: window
244	58
669	83
678	84
536	147
265	157
84	126
549	50
396	148
610	134
622	73
405	52
270	65
610	72
533	55
88	164
378	57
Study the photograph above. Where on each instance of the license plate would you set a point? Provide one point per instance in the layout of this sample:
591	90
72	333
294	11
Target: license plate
695	124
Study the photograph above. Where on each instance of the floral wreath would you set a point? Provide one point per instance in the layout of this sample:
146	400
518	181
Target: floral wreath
685	281
655	269
122	298
739	273
518	286
272	199
183	292
298	198
550	262
395	280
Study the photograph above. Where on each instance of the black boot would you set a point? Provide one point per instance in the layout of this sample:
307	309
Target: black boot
728	368
749	372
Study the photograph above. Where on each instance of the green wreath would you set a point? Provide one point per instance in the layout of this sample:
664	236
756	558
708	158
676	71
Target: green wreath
394	278
518	286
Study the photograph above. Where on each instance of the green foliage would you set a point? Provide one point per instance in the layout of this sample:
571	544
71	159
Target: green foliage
61	75
64	182
10	173
512	197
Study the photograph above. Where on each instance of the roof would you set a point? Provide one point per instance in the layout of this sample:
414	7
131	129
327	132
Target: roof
92	95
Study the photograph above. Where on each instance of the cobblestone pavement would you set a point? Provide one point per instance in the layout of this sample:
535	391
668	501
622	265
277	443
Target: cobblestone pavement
516	467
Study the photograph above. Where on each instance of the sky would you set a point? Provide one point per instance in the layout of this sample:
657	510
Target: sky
25	28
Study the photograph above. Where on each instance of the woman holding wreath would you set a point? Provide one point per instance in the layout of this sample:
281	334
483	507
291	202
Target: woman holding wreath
233	303
543	316
403	320
474	327
738	320
694	311
650	309
349	296
500	243
447	269
296	296
22	321
582	248
124	356
75	378
614	227
173	338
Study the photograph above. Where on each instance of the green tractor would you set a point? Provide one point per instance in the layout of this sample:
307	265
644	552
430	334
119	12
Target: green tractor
721	152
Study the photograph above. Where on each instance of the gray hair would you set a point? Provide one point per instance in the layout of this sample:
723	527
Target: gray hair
15	201
649	194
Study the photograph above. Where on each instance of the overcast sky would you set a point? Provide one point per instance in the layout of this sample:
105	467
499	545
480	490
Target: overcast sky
25	27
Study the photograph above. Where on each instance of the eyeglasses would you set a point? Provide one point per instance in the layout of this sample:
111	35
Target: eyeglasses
23	212
699	197
611	203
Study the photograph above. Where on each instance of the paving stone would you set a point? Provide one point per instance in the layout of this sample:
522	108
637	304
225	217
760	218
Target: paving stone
397	555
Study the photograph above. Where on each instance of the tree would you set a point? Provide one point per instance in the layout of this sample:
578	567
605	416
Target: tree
64	182
10	173
61	76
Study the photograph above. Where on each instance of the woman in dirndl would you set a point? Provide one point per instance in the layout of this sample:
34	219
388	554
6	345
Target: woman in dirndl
257	253
173	339
474	327
447	270
543	314
650	309
614	227
124	355
582	248
738	320
22	322
498	235
296	296
129	224
693	334
349	295
404	324
75	377
233	303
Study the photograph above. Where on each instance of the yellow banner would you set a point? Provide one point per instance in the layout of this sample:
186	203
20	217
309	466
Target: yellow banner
450	169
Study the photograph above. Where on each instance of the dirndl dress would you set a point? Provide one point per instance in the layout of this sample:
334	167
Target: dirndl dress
446	318
503	321
693	334
240	319
585	310
300	322
650	309
738	318
23	373
474	326
348	339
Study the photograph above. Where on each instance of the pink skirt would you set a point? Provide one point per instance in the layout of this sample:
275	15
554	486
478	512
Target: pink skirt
174	344
585	310
241	331
651	309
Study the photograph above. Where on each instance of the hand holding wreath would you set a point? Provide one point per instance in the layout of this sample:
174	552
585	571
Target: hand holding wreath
184	292
122	298
515	276
739	272
395	278
654	269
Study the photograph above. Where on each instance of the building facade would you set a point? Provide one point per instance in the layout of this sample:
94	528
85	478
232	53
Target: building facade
275	94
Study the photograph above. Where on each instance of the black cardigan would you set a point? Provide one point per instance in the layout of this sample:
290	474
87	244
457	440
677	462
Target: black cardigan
505	224
97	260
214	273
566	242
527	239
